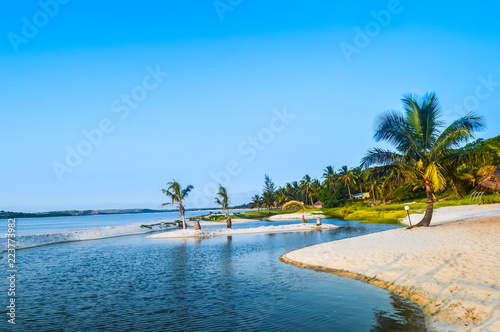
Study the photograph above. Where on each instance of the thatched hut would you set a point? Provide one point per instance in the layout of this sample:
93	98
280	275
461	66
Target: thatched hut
490	182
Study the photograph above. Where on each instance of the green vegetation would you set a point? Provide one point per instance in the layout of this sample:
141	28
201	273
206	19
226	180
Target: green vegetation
431	165
425	155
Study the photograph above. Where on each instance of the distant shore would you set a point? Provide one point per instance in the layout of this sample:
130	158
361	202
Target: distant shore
450	269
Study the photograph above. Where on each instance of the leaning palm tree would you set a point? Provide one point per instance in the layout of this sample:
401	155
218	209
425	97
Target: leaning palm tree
421	146
177	194
347	177
301	206
223	200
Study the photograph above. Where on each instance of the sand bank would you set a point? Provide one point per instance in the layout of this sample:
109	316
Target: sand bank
191	233
451	269
296	216
223	222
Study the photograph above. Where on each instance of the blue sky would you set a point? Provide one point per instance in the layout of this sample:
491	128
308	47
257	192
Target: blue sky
327	69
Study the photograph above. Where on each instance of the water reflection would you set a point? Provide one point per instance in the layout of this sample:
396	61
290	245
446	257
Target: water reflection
406	319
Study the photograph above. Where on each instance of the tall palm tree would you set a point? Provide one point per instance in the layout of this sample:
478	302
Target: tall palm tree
347	177
358	172
315	189
175	192
329	177
301	206
421	146
306	186
223	201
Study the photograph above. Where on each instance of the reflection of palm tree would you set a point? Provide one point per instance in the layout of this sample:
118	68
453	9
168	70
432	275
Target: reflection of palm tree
301	206
223	200
177	194
347	177
421	148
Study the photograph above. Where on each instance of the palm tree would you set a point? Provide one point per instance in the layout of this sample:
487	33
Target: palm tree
306	186
347	177
177	194
256	201
223	200
301	206
315	189
281	197
329	176
421	147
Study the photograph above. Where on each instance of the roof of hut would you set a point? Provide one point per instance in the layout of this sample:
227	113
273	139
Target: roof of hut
490	182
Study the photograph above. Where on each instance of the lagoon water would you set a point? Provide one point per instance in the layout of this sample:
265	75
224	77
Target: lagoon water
220	284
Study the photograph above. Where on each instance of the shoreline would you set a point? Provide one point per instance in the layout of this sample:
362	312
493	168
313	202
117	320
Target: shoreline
449	269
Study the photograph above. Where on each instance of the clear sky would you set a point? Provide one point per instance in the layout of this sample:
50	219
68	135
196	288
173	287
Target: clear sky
103	103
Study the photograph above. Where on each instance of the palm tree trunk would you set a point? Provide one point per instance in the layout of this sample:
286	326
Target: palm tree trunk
183	219
457	191
373	193
425	222
228	222
349	189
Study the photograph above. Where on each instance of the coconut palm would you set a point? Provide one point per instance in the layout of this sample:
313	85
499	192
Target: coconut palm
281	197
223	201
421	146
301	206
315	189
177	195
306	186
256	201
329	177
347	177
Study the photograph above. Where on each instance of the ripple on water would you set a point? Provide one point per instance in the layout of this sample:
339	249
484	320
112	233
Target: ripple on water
219	284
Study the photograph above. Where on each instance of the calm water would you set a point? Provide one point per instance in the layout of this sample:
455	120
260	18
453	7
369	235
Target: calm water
220	284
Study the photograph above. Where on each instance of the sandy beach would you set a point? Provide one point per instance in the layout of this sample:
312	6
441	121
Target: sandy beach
191	233
297	216
450	269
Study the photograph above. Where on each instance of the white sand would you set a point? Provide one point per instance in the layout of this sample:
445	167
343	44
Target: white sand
456	213
212	223
451	270
191	233
297	216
